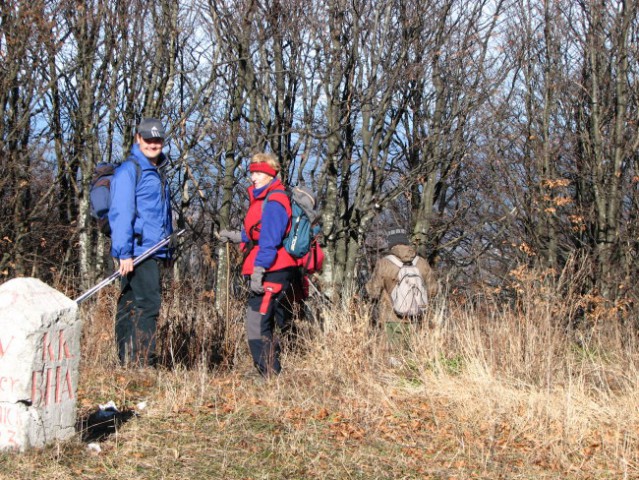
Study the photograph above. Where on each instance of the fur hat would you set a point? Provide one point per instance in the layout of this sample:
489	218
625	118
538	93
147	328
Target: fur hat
397	236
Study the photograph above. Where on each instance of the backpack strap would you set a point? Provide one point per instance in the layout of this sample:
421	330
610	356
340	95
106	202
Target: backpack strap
138	176
138	170
271	193
394	260
266	198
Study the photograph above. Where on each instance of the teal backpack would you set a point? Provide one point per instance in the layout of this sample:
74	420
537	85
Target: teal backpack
299	238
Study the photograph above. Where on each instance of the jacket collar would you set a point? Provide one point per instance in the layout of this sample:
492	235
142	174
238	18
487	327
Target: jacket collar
137	153
260	194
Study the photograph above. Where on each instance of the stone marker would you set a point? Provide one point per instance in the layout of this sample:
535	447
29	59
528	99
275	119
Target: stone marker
39	356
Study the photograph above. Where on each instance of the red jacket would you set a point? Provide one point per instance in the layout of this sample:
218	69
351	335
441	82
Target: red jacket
252	226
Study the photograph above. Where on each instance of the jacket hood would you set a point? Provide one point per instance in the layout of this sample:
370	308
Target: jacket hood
406	253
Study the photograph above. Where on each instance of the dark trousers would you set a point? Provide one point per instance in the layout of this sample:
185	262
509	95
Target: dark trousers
138	311
264	347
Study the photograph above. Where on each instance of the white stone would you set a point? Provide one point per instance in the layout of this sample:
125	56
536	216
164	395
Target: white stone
39	358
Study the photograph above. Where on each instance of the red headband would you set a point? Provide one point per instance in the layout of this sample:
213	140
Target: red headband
262	167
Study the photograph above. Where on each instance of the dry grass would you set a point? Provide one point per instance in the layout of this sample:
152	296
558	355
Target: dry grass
478	392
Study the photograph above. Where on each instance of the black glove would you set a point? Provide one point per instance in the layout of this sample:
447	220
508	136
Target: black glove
256	280
233	236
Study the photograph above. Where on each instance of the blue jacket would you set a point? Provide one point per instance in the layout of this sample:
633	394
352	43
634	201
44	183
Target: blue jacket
140	212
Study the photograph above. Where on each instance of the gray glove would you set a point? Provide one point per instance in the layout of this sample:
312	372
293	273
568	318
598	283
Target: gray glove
256	280
233	236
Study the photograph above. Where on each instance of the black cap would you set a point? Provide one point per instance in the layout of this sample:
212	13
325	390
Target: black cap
151	128
397	237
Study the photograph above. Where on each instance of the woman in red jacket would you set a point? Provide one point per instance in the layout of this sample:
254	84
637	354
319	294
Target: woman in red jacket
267	263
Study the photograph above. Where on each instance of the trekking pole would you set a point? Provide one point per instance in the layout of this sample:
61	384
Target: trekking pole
228	280
320	294
136	261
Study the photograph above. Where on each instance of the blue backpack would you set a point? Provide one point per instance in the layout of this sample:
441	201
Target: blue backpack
299	238
100	192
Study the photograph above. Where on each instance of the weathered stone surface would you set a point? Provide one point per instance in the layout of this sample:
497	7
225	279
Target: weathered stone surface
39	357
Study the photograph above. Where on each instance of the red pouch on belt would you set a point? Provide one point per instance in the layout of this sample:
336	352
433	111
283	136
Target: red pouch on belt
270	289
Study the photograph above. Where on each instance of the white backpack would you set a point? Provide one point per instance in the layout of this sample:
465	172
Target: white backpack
409	296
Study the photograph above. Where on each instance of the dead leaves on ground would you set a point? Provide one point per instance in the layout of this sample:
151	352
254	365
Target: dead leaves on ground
422	431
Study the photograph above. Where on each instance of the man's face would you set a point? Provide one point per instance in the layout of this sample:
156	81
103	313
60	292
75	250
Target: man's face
151	148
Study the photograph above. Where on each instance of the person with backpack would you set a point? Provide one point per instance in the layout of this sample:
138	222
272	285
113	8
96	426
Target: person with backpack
140	217
403	283
267	263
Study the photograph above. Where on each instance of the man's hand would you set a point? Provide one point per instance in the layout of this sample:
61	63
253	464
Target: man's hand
233	236
256	280
126	266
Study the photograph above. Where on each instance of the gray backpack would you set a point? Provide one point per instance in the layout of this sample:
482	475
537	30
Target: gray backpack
409	296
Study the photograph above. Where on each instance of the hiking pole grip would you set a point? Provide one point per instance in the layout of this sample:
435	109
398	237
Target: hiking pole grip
136	261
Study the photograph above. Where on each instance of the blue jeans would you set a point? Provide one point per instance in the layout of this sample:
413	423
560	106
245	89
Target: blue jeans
138	311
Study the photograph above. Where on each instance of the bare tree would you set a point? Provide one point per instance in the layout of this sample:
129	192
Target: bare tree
499	132
26	177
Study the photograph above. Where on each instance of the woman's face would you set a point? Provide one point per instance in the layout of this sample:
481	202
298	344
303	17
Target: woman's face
260	179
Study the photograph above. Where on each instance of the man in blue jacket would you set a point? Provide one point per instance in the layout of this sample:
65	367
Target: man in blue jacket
140	216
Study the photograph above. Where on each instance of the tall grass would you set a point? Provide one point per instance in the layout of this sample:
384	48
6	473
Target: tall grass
535	387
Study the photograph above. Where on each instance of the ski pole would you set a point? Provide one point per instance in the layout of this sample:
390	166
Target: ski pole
322	295
137	260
